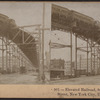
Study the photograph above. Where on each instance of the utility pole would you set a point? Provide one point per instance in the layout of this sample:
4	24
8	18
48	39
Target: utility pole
42	69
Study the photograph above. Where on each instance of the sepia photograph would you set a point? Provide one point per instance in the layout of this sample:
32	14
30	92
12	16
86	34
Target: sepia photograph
50	43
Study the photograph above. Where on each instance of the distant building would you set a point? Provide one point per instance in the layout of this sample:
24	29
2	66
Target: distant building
67	69
83	65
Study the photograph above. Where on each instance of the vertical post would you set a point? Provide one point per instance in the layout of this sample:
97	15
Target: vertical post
87	57
9	60
99	64
98	59
2	55
50	54
50	58
25	65
6	54
71	51
14	59
80	64
19	58
18	52
94	60
12	56
23	36
76	55
39	43
91	56
22	60
42	69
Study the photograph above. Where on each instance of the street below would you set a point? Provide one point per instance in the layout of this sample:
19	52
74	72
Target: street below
83	80
32	78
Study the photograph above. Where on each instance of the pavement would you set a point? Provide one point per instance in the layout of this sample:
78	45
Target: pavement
83	80
31	78
18	78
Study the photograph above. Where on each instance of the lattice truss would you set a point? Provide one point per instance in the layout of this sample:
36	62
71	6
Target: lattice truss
25	40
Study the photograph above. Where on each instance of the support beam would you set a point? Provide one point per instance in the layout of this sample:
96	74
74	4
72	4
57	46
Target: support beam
39	57
80	64
94	60
18	53
71	51
91	57
99	64
50	57
14	37
29	26
76	55
42	67
23	37
6	54
82	50
12	59
87	57
2	55
9	60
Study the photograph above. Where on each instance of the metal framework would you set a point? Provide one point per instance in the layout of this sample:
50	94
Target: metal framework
16	52
11	53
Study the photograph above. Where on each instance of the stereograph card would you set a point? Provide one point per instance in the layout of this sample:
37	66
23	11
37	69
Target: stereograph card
49	49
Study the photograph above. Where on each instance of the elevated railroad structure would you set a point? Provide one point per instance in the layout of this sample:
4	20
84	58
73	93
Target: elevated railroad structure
25	41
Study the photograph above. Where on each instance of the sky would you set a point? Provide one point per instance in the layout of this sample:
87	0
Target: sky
29	13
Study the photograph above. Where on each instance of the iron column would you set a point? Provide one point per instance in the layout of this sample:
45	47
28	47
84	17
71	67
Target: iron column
91	56
87	57
42	69
71	51
75	55
2	55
